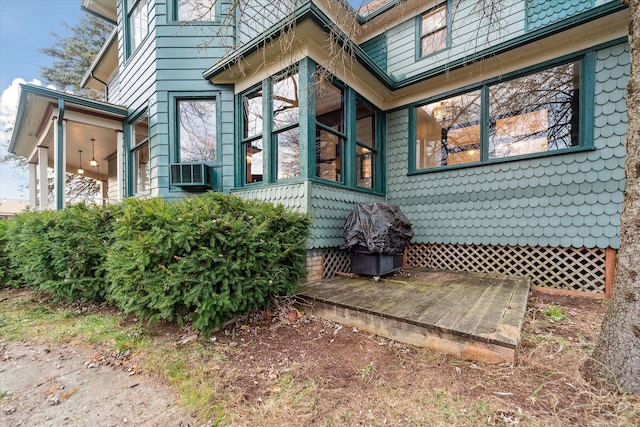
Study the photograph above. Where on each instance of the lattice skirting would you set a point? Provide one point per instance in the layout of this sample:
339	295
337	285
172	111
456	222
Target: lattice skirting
582	271
569	270
335	260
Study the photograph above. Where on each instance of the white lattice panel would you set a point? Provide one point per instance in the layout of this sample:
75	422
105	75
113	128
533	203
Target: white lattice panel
575	269
335	260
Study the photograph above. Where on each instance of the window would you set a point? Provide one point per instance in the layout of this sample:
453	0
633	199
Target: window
365	144
197	140
140	155
252	148
330	130
138	22
433	31
535	113
274	155
196	10
342	127
285	125
448	131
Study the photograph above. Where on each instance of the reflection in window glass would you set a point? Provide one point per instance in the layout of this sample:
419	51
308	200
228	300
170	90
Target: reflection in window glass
140	151
138	22
448	131
285	101
329	105
253	154
196	10
252	113
288	146
142	179
197	135
364	167
328	155
365	144
365	124
433	36
535	113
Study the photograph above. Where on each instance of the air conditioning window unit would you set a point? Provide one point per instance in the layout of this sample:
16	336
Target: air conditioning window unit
193	176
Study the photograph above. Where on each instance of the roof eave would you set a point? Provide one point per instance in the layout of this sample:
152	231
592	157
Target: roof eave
308	11
105	9
107	49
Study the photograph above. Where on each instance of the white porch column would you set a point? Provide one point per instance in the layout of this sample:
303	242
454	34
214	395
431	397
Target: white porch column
44	182
103	193
120	165
59	162
33	186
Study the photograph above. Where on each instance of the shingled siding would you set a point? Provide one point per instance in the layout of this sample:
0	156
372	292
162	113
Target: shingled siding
544	12
565	200
294	196
376	48
329	207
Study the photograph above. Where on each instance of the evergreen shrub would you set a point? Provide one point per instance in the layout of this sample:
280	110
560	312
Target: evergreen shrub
205	259
63	252
29	247
6	273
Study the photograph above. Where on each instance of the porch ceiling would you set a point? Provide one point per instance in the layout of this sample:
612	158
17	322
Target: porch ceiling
39	107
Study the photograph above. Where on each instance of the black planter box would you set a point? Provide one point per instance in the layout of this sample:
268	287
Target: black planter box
374	264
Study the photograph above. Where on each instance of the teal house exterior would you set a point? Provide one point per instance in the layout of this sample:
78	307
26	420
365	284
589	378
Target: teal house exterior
500	134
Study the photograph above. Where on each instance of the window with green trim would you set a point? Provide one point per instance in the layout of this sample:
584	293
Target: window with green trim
252	147
197	139
330	130
195	10
433	31
285	125
366	147
137	22
140	155
535	113
271	144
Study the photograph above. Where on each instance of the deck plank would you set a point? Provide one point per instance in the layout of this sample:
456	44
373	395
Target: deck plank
475	315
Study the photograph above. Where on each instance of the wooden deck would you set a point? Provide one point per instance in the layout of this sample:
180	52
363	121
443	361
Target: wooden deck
472	315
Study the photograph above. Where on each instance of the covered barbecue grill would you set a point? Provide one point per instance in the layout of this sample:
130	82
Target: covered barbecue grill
376	235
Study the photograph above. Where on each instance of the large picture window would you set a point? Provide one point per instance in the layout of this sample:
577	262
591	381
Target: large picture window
140	155
138	22
535	113
197	139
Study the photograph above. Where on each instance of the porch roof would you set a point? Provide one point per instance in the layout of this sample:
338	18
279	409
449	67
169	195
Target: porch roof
87	118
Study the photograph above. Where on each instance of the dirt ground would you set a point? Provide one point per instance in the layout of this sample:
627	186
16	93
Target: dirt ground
281	367
70	386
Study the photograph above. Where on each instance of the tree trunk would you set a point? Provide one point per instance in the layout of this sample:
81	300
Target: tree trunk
616	357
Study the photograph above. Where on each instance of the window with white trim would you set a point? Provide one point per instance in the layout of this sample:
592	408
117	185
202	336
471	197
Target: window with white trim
137	22
433	31
195	10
